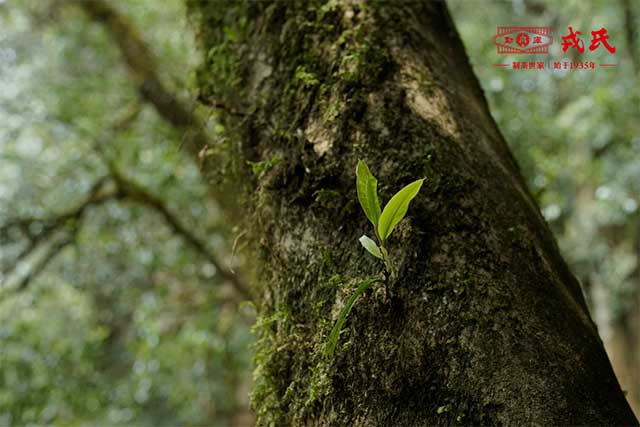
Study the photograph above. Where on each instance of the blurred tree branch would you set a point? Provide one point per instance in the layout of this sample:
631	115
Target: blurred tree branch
54	249
140	64
139	60
48	227
115	185
535	7
142	68
125	189
135	192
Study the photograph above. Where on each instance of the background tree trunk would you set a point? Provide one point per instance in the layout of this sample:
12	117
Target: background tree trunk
485	323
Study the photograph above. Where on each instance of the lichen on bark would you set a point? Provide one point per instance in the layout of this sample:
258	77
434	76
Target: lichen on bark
485	324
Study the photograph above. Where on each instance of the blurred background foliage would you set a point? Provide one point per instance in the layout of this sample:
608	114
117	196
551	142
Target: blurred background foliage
126	323
109	314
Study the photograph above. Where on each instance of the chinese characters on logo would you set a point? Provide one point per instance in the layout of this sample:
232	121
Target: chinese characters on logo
536	40
597	37
523	39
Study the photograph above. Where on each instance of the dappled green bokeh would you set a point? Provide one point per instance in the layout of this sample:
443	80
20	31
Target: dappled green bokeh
127	324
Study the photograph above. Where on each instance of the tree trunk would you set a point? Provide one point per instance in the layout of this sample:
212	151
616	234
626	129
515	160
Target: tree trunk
484	324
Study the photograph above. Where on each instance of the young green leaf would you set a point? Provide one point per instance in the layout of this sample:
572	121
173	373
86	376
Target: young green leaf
342	317
370	246
396	209
367	186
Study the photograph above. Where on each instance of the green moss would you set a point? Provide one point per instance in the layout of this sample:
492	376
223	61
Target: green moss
332	112
442	409
259	168
327	259
320	384
327	7
307	78
367	65
224	29
325	196
223	67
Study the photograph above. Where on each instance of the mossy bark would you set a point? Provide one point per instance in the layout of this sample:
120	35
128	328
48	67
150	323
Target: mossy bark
484	324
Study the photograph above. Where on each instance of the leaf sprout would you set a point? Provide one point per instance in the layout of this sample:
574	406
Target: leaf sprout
384	221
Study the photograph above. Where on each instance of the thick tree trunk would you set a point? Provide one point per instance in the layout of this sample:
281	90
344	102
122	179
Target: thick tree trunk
485	324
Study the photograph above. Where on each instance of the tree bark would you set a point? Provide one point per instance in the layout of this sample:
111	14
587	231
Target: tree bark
485	324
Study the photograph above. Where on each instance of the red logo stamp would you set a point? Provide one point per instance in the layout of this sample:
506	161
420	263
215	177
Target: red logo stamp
536	40
523	39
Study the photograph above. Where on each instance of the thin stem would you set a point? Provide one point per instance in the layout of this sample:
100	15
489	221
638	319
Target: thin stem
387	260
385	254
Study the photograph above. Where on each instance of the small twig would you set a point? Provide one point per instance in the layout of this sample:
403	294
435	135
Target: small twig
48	226
136	192
40	265
128	188
139	60
234	247
221	106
